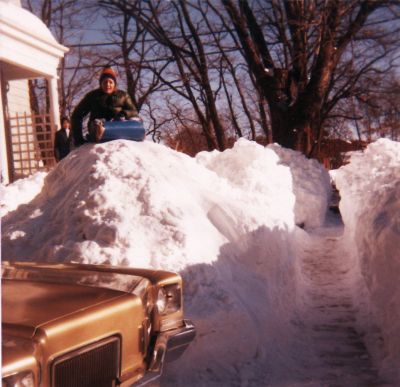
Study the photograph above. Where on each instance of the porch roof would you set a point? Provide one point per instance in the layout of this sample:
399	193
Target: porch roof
27	47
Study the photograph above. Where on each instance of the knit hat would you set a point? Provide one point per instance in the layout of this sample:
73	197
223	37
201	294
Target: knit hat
108	72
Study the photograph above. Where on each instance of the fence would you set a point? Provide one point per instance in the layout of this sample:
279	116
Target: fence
32	139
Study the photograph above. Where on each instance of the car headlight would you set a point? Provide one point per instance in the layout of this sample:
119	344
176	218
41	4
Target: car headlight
169	299
161	300
21	379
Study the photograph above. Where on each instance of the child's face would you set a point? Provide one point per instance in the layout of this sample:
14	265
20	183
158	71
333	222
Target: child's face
107	85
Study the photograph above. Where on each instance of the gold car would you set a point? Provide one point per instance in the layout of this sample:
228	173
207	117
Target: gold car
75	325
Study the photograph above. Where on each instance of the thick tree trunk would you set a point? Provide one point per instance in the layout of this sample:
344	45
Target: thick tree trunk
264	122
283	131
295	128
218	128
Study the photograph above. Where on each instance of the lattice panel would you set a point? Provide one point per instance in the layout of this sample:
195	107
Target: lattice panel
32	144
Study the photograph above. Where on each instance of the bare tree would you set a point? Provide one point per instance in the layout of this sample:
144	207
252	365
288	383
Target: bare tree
296	70
175	27
295	49
379	111
185	135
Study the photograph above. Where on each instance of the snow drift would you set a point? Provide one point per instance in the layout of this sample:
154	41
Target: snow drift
225	220
90	204
370	190
22	191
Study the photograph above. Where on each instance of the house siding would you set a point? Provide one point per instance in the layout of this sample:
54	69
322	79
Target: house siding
26	141
18	98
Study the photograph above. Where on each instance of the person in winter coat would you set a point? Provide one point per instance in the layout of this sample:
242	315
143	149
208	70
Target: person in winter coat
63	140
105	103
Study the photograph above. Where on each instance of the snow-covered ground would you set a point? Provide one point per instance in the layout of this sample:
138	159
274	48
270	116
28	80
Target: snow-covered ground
22	191
227	222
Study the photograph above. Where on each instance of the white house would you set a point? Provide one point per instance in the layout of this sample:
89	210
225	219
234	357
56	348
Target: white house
28	50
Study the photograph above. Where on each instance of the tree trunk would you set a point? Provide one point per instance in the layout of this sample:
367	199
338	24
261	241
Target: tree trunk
283	130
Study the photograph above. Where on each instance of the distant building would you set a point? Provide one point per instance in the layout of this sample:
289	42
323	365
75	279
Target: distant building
28	50
332	153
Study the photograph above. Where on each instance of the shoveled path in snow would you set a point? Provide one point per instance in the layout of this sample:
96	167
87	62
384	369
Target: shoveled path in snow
340	357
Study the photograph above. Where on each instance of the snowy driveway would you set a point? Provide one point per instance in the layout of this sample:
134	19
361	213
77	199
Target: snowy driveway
326	347
330	318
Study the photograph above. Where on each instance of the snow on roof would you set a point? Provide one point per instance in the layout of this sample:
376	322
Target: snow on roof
25	21
27	47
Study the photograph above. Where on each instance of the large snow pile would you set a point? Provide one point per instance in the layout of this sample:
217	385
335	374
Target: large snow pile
91	202
370	190
311	186
311	182
225	220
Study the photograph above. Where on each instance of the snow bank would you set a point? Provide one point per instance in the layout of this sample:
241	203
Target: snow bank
370	205
311	186
22	191
246	165
225	220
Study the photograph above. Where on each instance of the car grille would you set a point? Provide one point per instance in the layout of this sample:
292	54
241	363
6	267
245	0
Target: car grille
94	365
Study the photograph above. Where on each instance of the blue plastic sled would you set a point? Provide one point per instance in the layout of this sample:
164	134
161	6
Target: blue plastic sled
123	130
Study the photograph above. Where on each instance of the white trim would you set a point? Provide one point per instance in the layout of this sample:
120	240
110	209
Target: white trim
17	33
54	107
22	54
4	162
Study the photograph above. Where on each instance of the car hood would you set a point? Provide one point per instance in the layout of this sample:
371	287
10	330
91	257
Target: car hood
27	305
34	295
17	353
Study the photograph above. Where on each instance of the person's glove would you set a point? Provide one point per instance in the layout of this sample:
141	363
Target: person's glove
137	118
96	130
120	116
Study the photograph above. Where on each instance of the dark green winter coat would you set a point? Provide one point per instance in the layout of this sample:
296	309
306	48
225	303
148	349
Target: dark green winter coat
101	106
